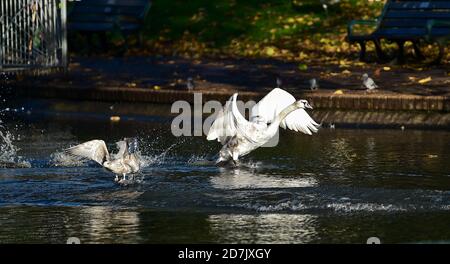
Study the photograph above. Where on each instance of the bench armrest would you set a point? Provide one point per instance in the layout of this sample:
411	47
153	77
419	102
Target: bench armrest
432	22
352	23
145	11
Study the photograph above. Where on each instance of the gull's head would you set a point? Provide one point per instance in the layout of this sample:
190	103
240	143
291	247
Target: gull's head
303	104
365	76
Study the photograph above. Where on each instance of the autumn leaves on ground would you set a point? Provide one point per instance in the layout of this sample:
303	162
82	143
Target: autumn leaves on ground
254	28
291	31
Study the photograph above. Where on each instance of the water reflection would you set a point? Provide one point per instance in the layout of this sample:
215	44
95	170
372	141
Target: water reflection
340	154
371	157
100	224
336	186
263	228
242	178
95	224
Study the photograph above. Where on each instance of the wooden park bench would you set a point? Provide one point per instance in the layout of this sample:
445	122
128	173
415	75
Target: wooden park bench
106	15
406	20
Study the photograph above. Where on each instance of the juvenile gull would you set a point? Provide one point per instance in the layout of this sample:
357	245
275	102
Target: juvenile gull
313	85
368	83
190	84
125	161
279	82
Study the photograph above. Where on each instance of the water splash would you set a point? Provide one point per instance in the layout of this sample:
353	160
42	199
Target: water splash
201	160
8	152
152	153
62	159
194	158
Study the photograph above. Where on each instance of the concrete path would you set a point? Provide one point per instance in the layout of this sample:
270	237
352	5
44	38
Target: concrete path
163	80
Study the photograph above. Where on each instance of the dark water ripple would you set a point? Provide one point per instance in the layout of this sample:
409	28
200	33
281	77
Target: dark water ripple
339	186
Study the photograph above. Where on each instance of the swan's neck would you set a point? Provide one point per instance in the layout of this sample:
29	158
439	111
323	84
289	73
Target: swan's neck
282	115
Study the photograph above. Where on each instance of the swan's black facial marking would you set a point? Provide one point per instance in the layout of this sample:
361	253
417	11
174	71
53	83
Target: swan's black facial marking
259	119
305	104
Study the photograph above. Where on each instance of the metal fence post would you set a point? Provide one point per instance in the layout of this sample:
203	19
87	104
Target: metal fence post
64	33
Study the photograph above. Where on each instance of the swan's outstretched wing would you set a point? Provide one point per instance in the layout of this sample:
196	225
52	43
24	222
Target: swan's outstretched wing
300	121
275	102
229	121
224	125
95	150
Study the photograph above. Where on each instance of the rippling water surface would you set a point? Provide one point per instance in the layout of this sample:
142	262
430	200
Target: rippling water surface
339	186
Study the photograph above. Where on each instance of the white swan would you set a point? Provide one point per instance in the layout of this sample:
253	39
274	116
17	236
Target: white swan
239	136
126	161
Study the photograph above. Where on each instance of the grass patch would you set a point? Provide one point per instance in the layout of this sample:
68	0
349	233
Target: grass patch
288	29
251	28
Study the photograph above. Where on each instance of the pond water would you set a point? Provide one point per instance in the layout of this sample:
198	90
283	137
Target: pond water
338	186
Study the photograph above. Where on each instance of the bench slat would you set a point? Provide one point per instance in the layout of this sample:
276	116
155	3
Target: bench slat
87	10
402	5
411	32
418	14
104	26
92	18
141	3
408	23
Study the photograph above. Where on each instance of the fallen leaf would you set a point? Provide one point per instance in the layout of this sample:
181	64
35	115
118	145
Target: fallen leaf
270	51
422	81
156	87
303	67
387	68
115	118
338	92
343	63
346	72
